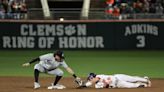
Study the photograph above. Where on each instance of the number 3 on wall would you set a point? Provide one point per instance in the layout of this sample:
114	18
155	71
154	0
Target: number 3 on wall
141	40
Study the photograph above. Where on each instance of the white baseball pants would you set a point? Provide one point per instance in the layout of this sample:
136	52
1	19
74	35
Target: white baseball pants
56	71
126	81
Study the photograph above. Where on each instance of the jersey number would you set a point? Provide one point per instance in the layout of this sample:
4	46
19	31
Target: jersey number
141	40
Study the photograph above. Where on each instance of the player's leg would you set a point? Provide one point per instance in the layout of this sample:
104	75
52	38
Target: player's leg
37	69
124	84
59	73
129	78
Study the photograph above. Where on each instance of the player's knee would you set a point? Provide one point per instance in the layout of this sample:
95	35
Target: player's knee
60	73
39	68
36	67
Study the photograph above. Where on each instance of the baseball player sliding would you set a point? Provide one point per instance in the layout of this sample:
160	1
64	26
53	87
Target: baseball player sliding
49	64
116	81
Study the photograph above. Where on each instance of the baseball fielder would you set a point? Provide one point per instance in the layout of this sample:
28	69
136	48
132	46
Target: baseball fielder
116	81
49	64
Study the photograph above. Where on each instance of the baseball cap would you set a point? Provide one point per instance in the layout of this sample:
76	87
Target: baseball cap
59	53
91	76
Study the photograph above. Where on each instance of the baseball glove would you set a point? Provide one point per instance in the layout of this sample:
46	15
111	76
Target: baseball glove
78	81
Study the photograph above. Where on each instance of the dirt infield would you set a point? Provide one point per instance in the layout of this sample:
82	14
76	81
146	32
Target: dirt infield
25	84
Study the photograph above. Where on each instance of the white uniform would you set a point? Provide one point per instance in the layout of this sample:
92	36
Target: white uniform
105	80
119	81
49	65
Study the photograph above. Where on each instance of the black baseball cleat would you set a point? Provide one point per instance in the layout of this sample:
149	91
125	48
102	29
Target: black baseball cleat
141	86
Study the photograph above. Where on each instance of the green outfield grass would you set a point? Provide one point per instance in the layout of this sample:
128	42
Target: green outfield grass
150	63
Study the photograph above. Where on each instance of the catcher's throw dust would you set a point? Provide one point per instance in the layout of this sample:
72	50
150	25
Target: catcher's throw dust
49	64
116	81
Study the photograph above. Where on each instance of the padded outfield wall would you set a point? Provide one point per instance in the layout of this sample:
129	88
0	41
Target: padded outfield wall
79	35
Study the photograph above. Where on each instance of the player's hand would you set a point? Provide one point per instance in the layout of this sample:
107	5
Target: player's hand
26	64
78	81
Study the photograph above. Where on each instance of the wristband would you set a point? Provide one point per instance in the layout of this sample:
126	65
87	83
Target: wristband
74	75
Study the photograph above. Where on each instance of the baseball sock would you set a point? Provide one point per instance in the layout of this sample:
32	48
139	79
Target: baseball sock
57	79
36	75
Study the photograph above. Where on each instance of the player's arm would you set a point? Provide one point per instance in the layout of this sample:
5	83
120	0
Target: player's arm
89	83
85	85
69	70
77	79
32	61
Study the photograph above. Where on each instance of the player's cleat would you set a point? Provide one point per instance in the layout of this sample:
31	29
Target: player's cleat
142	85
57	86
36	85
148	81
146	77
